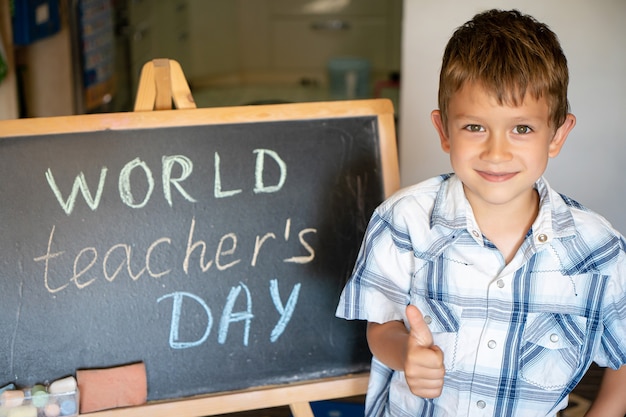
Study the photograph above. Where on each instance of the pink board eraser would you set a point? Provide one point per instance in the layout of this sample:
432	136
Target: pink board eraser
121	386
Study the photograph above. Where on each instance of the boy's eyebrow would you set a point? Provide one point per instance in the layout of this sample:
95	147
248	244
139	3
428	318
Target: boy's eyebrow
464	117
522	119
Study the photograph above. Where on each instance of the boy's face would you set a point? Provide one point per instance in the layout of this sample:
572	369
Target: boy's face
499	150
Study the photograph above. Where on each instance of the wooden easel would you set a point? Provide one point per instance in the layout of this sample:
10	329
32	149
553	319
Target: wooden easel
162	82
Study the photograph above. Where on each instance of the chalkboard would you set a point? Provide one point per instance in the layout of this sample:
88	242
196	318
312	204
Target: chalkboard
211	244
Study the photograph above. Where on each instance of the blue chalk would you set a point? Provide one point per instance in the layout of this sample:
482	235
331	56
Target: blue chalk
68	407
7	388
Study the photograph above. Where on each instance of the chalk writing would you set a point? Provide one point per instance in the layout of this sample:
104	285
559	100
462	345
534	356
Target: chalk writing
259	185
126	258
88	257
168	163
285	311
119	257
228	316
177	307
168	166
79	184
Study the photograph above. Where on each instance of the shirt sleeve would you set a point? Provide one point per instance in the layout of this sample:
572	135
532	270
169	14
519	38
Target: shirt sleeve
378	290
612	351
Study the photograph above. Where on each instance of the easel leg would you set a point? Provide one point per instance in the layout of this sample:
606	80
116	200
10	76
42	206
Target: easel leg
162	80
301	409
163	84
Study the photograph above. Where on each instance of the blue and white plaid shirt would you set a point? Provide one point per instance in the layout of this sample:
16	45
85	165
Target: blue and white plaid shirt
516	337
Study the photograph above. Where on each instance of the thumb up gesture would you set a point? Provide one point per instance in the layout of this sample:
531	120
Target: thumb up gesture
423	367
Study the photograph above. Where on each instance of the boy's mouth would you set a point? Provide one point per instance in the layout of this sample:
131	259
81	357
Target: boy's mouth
496	176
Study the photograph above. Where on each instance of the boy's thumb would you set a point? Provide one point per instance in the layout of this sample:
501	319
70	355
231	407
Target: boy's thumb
419	330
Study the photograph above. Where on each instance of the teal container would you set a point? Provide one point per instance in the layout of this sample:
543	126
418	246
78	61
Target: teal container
349	78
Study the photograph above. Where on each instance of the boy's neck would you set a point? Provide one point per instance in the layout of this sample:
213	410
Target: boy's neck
506	226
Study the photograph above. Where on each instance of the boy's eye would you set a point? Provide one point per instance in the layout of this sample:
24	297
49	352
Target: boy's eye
522	129
474	128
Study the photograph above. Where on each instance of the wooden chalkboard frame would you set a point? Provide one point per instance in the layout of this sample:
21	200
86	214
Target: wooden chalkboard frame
296	395
380	108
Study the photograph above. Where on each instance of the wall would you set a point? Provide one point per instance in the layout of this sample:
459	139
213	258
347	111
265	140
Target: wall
592	164
47	71
8	86
275	41
214	37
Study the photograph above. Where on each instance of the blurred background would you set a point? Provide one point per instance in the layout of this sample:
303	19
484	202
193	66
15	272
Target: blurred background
63	57
85	56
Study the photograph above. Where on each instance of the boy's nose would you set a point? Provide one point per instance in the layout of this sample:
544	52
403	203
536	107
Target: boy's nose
497	148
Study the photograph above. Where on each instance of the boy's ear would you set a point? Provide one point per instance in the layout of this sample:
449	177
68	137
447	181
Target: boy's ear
558	140
435	117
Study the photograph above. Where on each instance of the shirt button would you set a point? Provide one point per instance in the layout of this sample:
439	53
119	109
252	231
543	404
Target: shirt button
500	283
542	238
554	337
481	404
492	344
475	233
428	319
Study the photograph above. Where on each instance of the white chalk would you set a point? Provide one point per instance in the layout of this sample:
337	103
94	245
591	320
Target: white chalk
64	385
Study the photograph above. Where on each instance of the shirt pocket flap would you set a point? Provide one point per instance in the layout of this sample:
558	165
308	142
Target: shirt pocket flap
440	317
555	331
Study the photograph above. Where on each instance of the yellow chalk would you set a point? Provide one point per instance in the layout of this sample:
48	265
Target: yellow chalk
23	411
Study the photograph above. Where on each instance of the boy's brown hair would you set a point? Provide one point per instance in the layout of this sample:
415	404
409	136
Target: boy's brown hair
510	54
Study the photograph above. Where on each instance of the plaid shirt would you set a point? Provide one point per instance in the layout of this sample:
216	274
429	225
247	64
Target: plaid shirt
516	337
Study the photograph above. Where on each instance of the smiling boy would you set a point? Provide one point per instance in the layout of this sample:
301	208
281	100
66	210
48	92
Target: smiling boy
486	292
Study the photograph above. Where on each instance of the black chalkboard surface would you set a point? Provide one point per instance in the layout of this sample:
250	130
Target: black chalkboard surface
211	244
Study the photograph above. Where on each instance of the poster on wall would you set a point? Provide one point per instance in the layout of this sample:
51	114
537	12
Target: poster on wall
96	30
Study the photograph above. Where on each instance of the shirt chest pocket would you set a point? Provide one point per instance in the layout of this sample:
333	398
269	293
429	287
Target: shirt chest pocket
551	349
443	322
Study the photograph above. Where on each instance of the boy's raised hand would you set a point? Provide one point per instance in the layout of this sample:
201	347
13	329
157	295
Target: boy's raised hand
423	367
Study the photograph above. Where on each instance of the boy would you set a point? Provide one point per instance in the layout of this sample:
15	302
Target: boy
486	292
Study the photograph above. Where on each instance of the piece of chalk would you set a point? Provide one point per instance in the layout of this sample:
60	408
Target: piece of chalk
61	386
37	388
23	411
7	387
12	398
39	398
68	407
52	410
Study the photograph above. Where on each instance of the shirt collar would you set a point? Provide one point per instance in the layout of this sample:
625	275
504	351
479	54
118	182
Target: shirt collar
452	211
